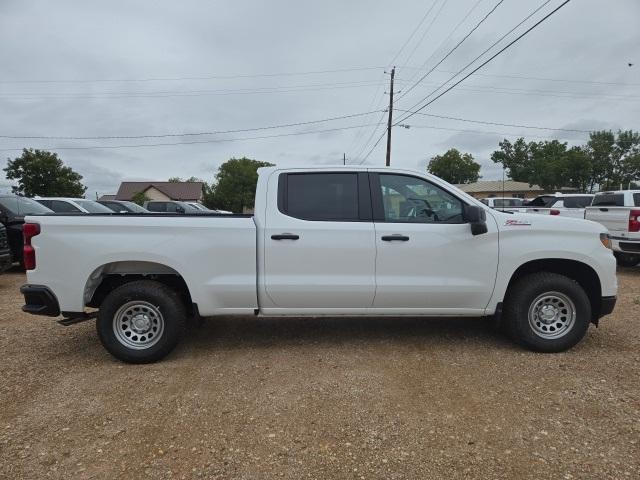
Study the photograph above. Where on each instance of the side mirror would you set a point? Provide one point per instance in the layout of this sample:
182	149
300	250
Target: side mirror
477	218
179	209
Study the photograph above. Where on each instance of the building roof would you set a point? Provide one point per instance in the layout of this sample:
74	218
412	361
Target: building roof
496	186
173	190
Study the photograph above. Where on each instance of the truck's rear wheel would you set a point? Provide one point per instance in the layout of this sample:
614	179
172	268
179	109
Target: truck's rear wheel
141	321
547	312
627	259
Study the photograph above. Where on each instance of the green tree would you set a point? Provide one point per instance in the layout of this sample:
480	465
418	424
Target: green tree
615	157
455	167
515	159
235	185
179	179
39	172
139	198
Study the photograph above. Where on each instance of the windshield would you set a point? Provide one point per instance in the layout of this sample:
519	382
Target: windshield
21	206
93	207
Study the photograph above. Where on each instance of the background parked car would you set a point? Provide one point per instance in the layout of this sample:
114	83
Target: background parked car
619	211
121	206
202	208
508	204
5	251
170	206
13	209
73	205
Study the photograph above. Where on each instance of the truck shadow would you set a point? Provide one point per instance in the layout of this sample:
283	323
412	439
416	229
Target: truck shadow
237	333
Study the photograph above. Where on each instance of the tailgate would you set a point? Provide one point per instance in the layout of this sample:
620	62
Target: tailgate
614	218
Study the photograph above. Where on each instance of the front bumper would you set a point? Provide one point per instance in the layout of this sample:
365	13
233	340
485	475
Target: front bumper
39	300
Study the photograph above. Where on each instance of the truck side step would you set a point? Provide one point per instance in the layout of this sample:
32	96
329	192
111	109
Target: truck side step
77	318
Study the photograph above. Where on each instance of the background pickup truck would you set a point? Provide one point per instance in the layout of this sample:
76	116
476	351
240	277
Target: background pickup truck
565	205
323	241
619	211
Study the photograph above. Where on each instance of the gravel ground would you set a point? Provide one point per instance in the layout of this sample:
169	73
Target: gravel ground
320	398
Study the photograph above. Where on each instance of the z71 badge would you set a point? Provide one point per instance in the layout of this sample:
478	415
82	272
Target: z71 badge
516	223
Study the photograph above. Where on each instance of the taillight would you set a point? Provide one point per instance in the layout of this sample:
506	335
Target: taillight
634	221
554	212
29	230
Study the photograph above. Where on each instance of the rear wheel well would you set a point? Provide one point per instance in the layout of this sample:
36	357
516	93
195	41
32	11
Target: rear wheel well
582	273
112	281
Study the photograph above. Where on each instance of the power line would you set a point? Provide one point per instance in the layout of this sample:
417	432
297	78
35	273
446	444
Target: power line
427	30
484	132
193	93
535	25
205	77
415	30
497	123
373	133
424	64
482	20
188	134
372	148
220	140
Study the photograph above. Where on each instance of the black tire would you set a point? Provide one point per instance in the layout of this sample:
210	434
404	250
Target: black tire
161	312
561	296
627	259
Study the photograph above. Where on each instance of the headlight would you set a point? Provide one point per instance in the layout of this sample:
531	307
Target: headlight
605	240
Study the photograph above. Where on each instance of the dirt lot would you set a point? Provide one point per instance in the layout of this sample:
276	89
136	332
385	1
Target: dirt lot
330	398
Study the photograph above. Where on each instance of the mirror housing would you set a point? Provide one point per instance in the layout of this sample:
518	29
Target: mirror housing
179	209
476	217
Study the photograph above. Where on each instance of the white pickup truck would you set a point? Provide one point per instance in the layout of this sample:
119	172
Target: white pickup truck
563	205
619	211
323	241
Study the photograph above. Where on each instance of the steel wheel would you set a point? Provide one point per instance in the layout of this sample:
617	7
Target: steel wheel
138	325
552	315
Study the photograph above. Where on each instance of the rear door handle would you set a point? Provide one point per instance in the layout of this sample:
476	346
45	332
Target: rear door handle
285	236
604	209
396	237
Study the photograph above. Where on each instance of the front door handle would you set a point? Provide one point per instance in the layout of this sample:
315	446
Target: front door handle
285	236
396	237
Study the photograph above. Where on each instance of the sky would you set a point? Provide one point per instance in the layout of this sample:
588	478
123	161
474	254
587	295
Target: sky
163	69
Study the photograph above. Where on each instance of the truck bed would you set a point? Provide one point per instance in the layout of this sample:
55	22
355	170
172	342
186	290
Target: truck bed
147	244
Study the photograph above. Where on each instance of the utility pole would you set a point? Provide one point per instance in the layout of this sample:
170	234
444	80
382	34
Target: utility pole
344	159
393	73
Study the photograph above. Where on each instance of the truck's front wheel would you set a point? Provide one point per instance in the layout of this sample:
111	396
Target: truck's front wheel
547	312
141	321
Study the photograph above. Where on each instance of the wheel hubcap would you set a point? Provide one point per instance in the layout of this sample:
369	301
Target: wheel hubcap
552	315
138	324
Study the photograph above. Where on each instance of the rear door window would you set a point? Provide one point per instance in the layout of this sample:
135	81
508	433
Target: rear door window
157	207
321	196
609	200
636	199
577	202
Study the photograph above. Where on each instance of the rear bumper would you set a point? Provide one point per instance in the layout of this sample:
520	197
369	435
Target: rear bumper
5	261
39	300
625	245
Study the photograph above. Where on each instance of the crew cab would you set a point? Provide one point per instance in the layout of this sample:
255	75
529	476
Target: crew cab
336	241
619	211
72	205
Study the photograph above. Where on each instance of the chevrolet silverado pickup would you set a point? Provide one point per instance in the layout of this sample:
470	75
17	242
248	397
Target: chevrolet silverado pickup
323	241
